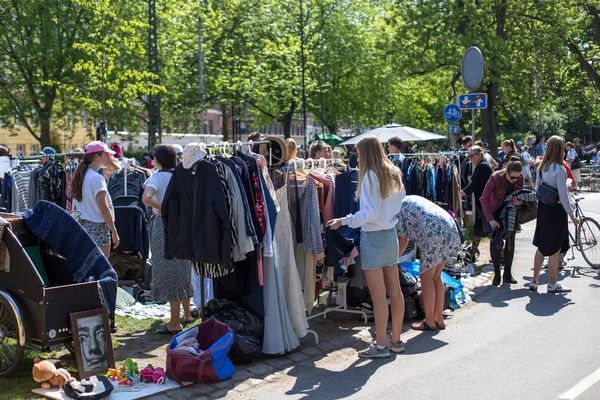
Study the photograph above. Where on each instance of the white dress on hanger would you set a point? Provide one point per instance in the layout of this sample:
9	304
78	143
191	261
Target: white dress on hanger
287	262
279	334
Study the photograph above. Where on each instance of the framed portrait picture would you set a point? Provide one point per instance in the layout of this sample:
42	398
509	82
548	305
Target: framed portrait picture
93	345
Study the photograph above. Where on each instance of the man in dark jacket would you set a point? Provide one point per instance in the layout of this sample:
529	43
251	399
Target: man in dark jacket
481	173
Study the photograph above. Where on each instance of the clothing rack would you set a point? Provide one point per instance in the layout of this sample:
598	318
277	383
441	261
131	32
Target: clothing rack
39	156
342	287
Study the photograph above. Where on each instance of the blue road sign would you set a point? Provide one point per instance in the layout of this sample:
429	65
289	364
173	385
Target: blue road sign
454	128
472	101
452	113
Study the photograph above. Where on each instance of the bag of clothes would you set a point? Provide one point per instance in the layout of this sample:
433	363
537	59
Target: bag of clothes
199	354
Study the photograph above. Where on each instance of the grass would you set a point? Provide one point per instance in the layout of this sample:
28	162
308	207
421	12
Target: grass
20	385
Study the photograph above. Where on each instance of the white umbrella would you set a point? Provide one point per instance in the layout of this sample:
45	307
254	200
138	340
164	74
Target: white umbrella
406	133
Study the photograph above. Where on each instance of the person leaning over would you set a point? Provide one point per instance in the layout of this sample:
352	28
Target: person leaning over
436	235
380	192
552	225
499	186
91	198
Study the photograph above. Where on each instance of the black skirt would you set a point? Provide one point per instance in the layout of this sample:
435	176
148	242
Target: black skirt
551	229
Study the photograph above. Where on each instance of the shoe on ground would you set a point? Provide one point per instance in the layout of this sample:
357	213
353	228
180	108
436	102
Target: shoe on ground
558	289
396	347
496	280
374	352
533	286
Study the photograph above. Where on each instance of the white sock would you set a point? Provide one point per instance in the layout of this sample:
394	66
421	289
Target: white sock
552	285
380	347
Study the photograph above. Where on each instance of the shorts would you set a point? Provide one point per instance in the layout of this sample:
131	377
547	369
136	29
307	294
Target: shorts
378	249
577	175
98	231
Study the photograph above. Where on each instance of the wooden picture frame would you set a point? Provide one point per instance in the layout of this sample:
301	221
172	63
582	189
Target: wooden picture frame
93	344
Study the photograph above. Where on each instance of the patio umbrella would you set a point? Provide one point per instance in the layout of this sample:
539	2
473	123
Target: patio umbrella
406	133
327	138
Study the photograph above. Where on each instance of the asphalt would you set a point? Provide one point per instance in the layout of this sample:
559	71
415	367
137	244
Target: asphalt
509	343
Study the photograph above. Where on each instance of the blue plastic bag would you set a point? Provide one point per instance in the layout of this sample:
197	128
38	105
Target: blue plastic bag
457	295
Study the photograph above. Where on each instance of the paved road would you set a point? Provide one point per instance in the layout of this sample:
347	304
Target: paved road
509	344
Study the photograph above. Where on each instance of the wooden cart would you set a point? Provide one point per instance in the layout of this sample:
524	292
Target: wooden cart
37	293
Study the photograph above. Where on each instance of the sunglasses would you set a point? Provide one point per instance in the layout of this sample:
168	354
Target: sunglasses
514	178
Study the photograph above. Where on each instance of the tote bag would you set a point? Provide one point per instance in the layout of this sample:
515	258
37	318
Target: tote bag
211	364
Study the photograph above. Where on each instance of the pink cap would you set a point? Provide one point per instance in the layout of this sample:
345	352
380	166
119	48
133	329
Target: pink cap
98	146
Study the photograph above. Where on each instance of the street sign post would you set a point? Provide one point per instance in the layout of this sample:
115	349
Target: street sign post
471	70
452	113
453	128
472	101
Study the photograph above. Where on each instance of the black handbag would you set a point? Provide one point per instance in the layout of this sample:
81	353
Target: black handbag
547	194
528	212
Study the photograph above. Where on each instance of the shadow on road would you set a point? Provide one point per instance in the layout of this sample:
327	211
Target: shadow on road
324	384
540	303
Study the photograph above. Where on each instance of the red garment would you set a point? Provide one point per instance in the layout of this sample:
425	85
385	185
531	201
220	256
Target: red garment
569	172
493	194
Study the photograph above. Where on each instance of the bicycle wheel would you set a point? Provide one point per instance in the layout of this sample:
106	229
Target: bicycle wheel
588	236
11	352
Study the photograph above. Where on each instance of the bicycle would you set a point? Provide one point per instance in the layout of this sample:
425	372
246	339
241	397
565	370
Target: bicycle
586	237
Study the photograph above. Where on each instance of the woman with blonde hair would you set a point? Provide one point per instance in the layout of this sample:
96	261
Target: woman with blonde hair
380	192
552	226
292	148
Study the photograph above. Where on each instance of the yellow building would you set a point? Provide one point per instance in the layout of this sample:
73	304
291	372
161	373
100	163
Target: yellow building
22	143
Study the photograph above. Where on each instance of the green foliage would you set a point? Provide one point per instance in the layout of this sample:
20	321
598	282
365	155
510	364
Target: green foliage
382	60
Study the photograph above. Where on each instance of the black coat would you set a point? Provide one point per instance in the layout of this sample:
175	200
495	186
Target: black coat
195	216
479	179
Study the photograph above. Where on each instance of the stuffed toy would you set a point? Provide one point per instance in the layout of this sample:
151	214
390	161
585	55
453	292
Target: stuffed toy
45	372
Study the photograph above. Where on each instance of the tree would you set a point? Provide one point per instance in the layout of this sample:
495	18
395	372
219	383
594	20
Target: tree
61	54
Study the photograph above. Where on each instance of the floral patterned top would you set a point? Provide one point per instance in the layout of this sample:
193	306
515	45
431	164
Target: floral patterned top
431	228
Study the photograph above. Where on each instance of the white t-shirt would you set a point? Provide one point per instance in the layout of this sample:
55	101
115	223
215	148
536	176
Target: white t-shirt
488	158
159	182
93	183
571	155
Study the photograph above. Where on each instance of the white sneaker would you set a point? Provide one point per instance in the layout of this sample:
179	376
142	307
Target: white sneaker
374	352
558	289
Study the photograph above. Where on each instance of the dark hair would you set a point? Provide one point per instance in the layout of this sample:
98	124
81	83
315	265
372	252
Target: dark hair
4	151
166	156
395	141
315	147
79	175
514	165
510	143
466	140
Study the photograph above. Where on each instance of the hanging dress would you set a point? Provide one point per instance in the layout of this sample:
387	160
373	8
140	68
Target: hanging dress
287	262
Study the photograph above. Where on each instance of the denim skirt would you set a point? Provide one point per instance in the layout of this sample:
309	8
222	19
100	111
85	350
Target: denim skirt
378	249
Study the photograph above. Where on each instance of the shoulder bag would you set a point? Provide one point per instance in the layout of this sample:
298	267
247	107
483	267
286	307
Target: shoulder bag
547	194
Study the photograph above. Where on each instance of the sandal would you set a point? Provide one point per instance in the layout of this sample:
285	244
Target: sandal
164	330
439	326
423	326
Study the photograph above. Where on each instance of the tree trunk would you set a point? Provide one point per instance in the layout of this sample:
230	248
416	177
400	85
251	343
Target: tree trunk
488	118
286	121
45	138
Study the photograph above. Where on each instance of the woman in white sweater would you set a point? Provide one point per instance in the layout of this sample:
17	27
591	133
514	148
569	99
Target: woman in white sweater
552	228
380	192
